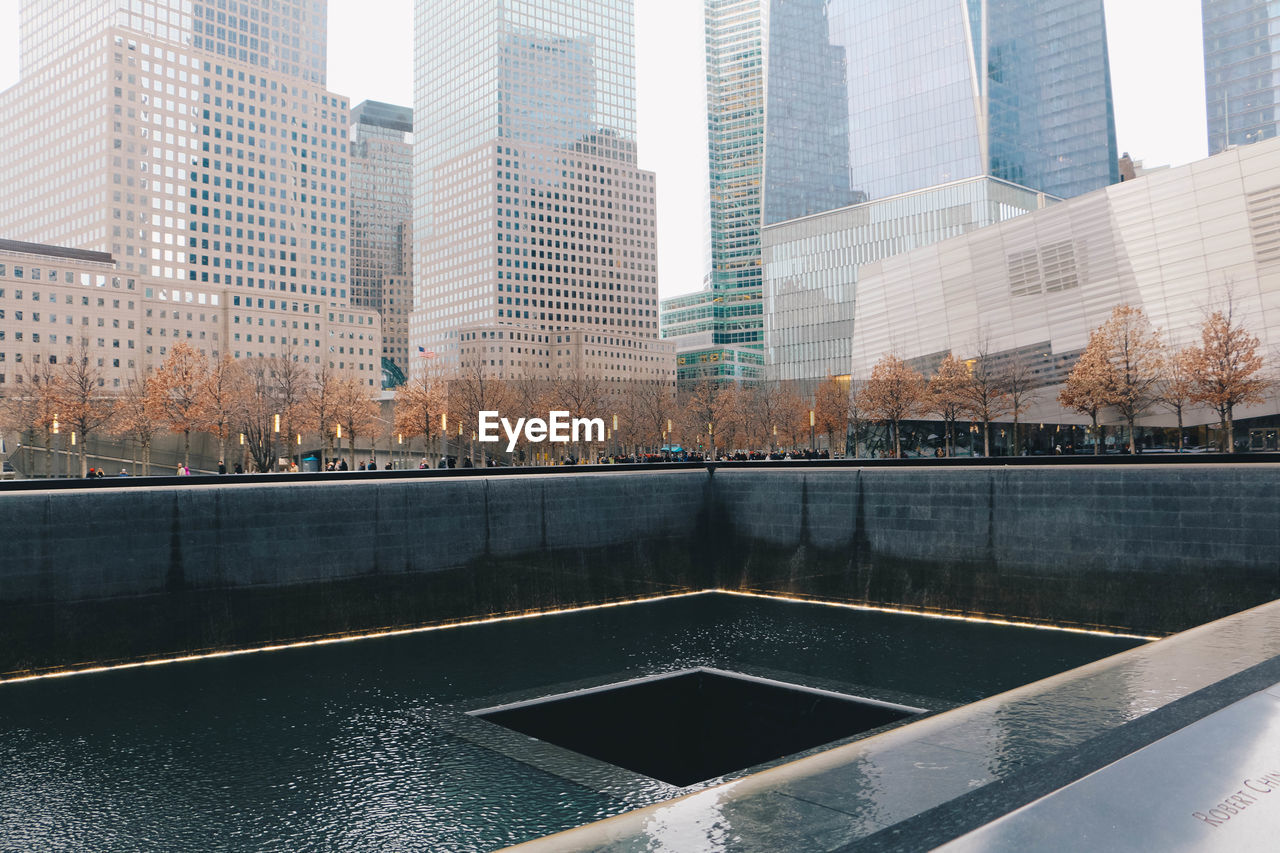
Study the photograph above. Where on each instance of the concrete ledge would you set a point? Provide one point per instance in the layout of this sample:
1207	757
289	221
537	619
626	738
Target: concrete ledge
922	785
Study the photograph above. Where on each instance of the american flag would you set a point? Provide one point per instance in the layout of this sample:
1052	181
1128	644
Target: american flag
423	352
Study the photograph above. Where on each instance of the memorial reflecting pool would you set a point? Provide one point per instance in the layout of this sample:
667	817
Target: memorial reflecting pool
368	745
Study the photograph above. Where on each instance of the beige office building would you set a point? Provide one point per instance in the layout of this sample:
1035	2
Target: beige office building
53	299
194	144
536	238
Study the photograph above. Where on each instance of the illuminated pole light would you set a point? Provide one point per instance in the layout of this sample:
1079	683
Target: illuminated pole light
277	423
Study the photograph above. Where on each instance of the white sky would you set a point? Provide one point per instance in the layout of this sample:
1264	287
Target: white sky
1157	74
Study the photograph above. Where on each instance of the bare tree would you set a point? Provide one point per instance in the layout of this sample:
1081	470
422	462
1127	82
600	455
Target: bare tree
293	383
82	401
475	389
985	397
257	406
1018	381
857	416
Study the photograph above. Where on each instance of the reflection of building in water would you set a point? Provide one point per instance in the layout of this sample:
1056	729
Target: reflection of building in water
534	225
935	93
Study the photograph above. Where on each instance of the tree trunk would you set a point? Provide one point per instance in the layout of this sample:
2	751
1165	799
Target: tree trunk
1230	431
1133	444
48	454
84	460
186	447
986	438
1180	429
1097	438
146	457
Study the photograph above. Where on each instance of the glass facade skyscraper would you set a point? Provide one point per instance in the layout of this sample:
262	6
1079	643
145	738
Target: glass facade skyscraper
281	36
872	98
382	224
719	330
818	105
919	119
1241	71
535	243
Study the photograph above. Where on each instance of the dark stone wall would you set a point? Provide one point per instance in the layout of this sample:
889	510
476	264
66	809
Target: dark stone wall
110	573
1147	549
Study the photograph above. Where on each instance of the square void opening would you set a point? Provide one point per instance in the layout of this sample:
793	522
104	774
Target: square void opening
694	725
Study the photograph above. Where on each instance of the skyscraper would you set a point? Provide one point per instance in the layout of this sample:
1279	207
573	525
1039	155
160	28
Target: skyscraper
535	242
196	144
869	100
1241	88
920	120
718	331
381	223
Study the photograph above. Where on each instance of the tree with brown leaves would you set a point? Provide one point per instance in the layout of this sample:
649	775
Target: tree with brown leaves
1227	368
1136	355
356	411
221	399
892	394
419	403
173	392
1177	386
947	397
319	408
136	419
705	411
831	412
33	409
1088	386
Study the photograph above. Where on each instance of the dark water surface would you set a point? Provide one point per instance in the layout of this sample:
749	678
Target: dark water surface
367	746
